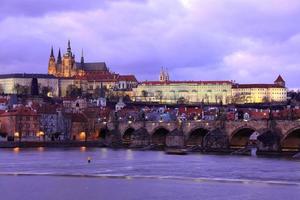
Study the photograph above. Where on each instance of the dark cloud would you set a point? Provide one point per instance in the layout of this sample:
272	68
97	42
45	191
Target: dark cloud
35	8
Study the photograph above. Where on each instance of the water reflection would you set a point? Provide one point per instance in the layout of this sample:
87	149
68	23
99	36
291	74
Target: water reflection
83	149
129	154
16	150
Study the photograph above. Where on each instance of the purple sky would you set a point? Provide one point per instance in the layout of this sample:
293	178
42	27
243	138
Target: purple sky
244	40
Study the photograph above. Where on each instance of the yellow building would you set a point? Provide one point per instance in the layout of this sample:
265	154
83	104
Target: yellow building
166	91
66	66
21	83
209	92
260	93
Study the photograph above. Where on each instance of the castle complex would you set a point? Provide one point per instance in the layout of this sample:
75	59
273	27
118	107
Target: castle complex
66	66
65	73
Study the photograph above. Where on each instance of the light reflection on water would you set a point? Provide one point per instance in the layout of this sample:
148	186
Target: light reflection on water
131	163
129	174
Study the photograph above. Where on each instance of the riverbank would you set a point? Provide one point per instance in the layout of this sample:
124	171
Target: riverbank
51	144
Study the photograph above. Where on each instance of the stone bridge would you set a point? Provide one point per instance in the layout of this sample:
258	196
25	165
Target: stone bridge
273	135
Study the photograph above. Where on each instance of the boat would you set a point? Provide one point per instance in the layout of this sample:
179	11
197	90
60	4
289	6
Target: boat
176	151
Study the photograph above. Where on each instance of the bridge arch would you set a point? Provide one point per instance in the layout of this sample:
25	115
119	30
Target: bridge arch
196	136
127	136
103	133
159	136
240	137
292	139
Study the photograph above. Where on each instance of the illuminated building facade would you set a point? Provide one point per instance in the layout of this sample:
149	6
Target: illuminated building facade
209	92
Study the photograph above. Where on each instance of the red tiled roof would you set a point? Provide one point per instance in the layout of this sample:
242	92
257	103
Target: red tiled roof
127	78
23	111
99	77
184	82
256	86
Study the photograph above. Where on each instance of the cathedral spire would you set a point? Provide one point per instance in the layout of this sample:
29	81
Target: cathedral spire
59	57
82	58
51	54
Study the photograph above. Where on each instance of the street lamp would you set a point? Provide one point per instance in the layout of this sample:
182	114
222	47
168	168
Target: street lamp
16	134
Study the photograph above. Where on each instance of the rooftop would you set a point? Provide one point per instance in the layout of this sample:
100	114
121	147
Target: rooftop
256	86
185	82
24	75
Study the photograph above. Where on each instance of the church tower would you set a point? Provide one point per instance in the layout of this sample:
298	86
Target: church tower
68	63
52	65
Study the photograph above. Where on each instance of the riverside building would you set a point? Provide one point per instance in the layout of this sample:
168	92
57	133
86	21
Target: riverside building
209	92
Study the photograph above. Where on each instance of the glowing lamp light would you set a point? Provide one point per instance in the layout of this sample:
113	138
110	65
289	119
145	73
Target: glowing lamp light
82	135
129	122
17	134
40	134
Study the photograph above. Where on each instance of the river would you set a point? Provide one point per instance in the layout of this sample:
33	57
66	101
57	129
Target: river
42	173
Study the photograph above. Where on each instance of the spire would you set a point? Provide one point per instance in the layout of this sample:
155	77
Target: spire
167	75
59	57
82	58
69	46
52	54
162	74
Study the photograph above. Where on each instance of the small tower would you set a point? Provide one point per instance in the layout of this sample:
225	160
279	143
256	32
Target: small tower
167	78
82	58
52	65
81	68
163	76
279	81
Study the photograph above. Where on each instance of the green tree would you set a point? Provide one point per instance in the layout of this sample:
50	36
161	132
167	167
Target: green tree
73	91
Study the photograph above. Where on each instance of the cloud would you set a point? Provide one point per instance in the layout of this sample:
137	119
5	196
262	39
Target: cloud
247	41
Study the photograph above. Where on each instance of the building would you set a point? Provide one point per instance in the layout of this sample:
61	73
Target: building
21	83
260	93
166	91
65	75
49	122
21	123
90	77
209	92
